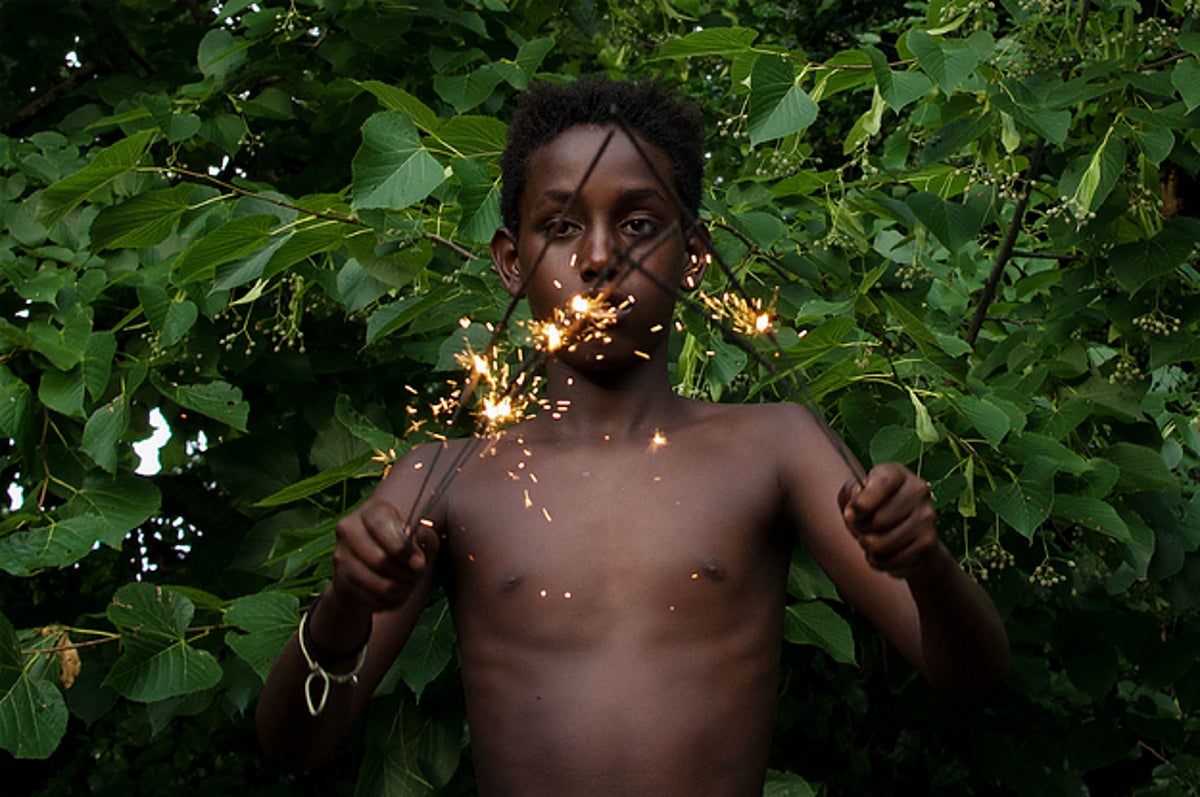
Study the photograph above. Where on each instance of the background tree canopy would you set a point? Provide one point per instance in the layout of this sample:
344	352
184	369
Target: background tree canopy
261	226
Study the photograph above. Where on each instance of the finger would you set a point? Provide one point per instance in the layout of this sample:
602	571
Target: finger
880	485
386	526
423	544
371	540
902	551
369	589
847	492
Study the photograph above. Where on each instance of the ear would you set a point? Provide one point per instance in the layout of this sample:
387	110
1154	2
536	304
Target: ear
507	262
697	254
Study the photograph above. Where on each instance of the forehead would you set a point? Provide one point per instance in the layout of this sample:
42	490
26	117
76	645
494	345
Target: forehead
561	164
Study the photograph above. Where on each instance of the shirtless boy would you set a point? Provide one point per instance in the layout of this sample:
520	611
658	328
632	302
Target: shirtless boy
617	570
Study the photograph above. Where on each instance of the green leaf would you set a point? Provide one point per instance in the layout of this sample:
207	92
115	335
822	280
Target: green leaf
317	483
1088	180
361	426
63	392
991	421
778	105
104	511
1137	263
269	620
465	92
895	444
815	623
926	433
1141	467
97	362
807	580
16	407
218	400
234	239
728	42
145	220
1092	514
474	136
1185	77
480	201
396	99
1022	505
898	89
110	163
58	544
33	715
220	53
429	649
1025	447
531	54
103	431
63	346
158	663
786	784
950	61
1156	144
952	223
306	241
391	169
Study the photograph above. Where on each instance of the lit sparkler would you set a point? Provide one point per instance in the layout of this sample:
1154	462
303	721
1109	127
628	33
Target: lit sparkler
745	316
583	319
501	402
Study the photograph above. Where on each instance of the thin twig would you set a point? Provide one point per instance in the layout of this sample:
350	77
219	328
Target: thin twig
1006	248
320	214
1045	256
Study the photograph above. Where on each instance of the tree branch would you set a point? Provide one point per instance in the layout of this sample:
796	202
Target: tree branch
77	78
1006	248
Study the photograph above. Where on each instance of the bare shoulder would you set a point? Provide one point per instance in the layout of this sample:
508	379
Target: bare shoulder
418	480
783	427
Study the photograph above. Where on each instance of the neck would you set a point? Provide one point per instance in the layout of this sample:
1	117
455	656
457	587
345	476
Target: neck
630	402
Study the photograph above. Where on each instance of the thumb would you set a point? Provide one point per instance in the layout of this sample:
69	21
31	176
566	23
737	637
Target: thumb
847	493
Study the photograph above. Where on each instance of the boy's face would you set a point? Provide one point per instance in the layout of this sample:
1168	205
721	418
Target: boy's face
618	241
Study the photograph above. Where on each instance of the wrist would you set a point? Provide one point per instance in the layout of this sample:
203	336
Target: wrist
934	570
334	632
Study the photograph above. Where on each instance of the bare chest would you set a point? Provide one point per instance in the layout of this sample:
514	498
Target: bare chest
619	534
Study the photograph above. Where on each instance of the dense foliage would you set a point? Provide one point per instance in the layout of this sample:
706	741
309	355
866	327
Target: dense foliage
975	226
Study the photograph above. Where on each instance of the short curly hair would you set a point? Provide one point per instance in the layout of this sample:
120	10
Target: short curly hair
546	110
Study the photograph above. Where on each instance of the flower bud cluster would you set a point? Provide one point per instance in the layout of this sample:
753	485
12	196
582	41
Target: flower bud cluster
909	276
1045	575
1126	370
991	557
1157	323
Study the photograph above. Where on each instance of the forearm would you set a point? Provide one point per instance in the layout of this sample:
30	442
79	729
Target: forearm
964	647
287	730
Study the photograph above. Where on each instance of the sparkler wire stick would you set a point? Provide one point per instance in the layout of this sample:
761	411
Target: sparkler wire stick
526	275
608	280
798	384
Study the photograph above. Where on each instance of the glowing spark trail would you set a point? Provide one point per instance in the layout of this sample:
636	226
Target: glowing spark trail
748	319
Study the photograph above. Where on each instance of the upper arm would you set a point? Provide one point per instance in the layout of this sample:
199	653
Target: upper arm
812	473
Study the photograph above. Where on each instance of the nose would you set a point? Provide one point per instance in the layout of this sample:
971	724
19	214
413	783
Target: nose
596	260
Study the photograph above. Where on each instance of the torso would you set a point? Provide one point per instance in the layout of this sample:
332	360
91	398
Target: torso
619	606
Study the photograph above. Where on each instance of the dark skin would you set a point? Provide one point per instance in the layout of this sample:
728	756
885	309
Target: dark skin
617	570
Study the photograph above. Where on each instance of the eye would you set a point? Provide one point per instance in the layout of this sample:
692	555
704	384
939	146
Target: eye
641	227
560	227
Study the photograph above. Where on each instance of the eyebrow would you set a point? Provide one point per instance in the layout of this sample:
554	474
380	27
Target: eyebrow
632	194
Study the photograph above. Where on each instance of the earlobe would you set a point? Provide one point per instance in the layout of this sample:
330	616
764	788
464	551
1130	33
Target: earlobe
699	257
507	262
